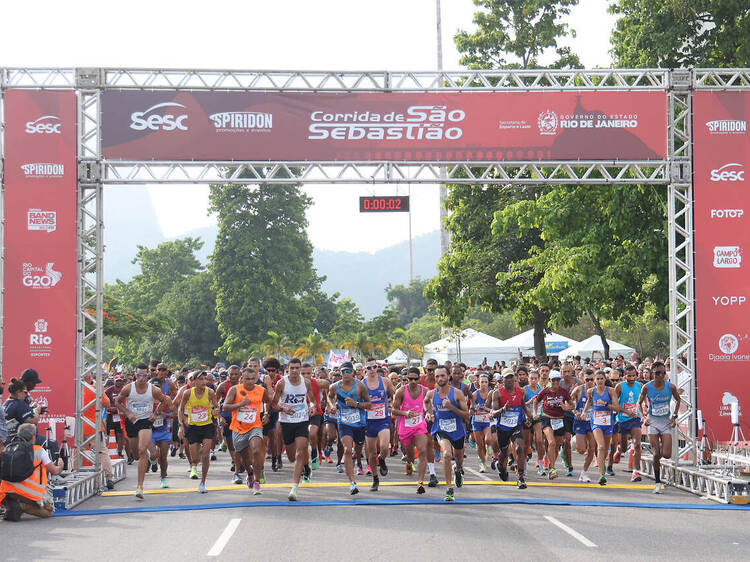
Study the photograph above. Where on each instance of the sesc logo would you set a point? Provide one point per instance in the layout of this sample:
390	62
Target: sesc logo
45	125
141	120
727	256
40	343
37	277
726	127
729	172
727	213
36	219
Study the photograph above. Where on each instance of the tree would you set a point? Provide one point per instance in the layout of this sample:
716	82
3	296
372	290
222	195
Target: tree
679	33
407	342
408	300
276	344
360	345
313	346
262	262
349	320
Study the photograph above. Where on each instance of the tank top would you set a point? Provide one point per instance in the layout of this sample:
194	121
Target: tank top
628	399
479	401
225	415
142	405
659	400
248	416
422	379
199	409
602	414
528	394
318	394
159	418
417	424
513	416
447	421
379	409
581	404
294	395
346	415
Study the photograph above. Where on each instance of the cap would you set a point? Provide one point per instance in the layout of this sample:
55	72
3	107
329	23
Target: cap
26	431
355	365
162	367
119	378
497	377
508	372
30	375
555	375
347	365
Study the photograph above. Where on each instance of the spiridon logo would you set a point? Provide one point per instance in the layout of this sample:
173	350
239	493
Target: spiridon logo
727	127
549	122
40	343
43	170
242	121
727	213
728	346
141	120
37	277
727	257
729	172
45	125
36	219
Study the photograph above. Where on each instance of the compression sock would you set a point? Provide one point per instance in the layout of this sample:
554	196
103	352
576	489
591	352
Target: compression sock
431	467
657	474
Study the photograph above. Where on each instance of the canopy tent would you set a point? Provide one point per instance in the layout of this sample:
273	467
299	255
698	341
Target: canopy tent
471	347
398	357
594	345
523	343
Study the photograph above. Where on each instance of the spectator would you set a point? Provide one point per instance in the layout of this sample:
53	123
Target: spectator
3	425
17	408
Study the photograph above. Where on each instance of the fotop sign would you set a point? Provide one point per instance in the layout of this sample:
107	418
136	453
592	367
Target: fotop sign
729	300
37	277
45	125
727	213
158	121
727	256
729	172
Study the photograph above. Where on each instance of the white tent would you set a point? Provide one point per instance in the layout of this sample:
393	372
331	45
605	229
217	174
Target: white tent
524	342
594	345
470	347
398	357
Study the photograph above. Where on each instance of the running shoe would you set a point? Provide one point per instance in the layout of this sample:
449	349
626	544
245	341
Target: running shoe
437	455
657	488
263	477
292	497
250	481
181	455
459	474
154	466
279	462
306	471
329	460
610	472
521	483
420	489
540	471
163	483
213	455
617	456
552	473
202	488
131	460
409	469
305	479
340	468
256	488
194	473
503	474
315	463
472	444
375	484
563	457
482	467
433	481
139	493
493	464
569	471
353	490
636	477
236	479
232	468
327	451
382	466
360	472
602	480
368	470
546	463
110	484
172	451
449	495
584	478
223	447
274	466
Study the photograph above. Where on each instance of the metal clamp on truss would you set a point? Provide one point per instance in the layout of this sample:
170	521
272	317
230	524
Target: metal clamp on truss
681	171
87	78
89	171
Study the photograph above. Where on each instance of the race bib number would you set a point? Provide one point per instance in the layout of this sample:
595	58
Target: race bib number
449	425
587	415
159	420
247	414
602	418
630	408
509	419
300	410
377	412
349	416
115	417
482	418
662	410
556	423
199	414
413	422
141	408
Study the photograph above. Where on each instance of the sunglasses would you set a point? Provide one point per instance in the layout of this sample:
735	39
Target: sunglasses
659	372
412	378
588	379
271	370
371	367
346	371
430	370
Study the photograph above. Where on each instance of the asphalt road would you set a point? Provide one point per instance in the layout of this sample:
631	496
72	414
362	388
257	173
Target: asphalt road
270	527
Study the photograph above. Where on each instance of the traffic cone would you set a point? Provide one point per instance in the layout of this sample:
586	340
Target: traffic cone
112	446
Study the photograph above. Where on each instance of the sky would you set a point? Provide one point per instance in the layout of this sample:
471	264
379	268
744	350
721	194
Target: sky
271	34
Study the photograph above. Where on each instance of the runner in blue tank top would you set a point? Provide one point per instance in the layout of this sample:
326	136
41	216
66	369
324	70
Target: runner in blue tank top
629	419
602	400
659	424
480	421
161	435
378	433
448	407
585	443
534	433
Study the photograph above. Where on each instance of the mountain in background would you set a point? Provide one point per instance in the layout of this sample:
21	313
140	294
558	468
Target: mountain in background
130	220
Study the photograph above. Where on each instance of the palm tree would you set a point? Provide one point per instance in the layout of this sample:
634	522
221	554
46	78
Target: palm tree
313	346
359	345
407	342
276	345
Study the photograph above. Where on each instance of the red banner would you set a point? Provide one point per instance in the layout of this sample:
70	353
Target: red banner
39	275
473	126
722	233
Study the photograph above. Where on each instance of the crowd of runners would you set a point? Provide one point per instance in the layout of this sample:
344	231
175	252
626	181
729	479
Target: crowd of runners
360	416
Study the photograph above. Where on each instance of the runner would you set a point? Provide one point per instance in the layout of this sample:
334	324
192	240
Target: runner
535	431
448	408
658	422
161	435
245	402
202	408
480	421
349	399
136	402
428	381
233	379
319	388
408	404
555	402
295	402
272	438
602	400
113	416
627	392
585	442
568	382
378	431
508	405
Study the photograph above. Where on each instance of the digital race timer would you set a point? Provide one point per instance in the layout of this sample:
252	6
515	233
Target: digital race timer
394	204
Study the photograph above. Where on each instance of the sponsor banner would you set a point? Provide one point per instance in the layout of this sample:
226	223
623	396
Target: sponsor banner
39	274
722	235
478	126
336	357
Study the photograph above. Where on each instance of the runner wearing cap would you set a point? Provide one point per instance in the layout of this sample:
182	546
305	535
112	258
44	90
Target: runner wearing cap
508	405
534	433
555	402
602	400
408	405
585	443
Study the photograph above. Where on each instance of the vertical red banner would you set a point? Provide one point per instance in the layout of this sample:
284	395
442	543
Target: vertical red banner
39	275
722	234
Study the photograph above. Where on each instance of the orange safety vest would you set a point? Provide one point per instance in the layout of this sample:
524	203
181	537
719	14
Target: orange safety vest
34	486
241	416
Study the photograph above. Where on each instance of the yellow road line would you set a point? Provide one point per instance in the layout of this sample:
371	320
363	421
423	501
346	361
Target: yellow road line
404	483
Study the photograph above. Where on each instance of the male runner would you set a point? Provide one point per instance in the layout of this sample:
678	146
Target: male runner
378	431
535	431
428	381
113	416
320	390
408	404
272	438
585	443
161	435
627	393
659	424
508	405
568	382
555	402
202	407
233	378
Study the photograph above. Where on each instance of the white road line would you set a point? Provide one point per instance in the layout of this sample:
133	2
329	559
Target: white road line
479	474
572	532
223	539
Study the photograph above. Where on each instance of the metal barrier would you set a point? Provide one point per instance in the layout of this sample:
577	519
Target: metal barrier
74	487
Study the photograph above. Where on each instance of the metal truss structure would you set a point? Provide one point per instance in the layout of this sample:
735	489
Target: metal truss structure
675	172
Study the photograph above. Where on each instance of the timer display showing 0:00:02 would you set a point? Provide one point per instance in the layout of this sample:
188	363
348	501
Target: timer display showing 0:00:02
393	204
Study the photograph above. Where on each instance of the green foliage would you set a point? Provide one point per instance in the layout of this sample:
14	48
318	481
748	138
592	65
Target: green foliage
408	300
349	320
313	347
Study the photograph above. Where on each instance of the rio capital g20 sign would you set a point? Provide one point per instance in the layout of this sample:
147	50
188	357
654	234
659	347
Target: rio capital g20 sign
39	273
450	126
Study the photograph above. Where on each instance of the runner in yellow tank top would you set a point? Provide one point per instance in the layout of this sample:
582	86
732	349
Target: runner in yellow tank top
201	407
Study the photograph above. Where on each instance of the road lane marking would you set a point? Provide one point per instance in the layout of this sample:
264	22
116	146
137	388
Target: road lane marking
477	474
572	532
223	539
